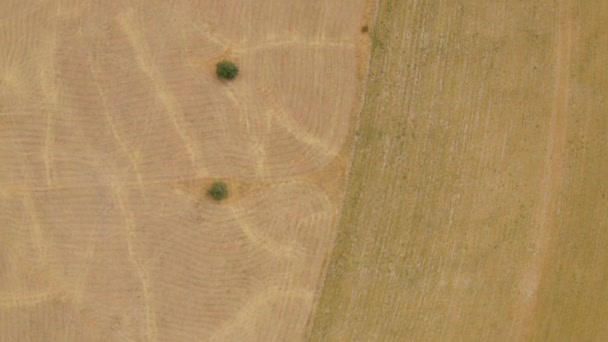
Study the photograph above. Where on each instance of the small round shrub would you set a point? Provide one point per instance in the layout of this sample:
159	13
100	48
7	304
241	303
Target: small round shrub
226	70
218	191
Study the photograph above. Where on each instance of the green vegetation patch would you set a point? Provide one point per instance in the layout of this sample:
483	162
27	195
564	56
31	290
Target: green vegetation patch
226	70
218	191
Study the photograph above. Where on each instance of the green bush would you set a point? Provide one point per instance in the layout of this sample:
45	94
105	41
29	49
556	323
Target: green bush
226	70
218	191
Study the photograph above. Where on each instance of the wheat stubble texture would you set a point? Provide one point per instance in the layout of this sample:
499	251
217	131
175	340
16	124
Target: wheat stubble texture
477	203
113	125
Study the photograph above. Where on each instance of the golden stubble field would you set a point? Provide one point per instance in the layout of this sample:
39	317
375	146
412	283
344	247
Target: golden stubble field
477	204
112	126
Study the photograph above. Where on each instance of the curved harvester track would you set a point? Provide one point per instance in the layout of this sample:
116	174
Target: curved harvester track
112	126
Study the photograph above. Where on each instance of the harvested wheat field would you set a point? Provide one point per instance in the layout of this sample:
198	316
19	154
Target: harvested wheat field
113	125
477	203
